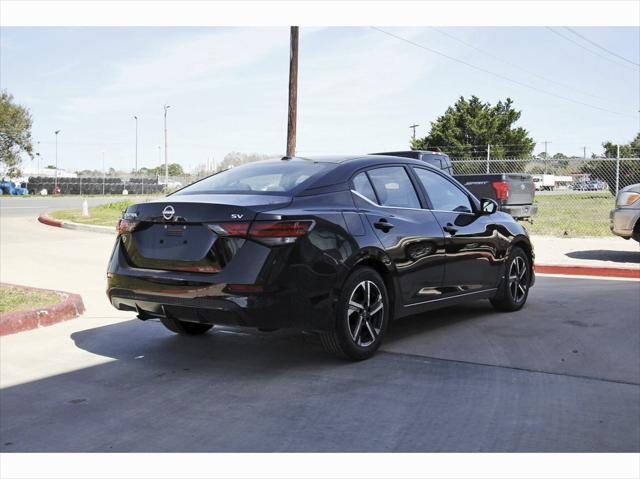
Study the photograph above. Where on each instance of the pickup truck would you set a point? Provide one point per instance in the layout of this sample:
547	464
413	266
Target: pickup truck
514	192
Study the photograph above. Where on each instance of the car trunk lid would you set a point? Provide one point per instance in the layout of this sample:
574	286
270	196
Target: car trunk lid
176	234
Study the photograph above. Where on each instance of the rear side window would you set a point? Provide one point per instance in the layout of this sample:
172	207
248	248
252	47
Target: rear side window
363	186
444	195
260	178
394	188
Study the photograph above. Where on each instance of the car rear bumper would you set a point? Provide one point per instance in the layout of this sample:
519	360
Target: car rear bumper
520	211
202	305
623	220
236	296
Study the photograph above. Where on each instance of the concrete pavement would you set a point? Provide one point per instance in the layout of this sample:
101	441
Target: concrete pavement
561	375
606	251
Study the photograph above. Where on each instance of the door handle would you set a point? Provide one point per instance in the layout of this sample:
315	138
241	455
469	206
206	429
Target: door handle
449	228
383	225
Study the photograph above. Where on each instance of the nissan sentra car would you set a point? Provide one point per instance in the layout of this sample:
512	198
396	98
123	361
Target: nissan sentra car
339	246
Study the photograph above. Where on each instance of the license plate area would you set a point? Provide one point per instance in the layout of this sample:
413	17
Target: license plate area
173	242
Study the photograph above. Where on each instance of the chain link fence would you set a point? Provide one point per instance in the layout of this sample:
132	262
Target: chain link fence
130	184
574	195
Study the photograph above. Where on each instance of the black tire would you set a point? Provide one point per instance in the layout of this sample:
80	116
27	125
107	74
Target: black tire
514	290
185	327
358	332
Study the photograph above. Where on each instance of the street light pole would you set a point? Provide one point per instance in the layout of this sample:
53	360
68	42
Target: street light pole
136	168
166	162
55	187
104	173
38	155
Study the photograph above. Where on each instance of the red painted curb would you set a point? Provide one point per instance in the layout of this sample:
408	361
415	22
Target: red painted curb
579	270
47	220
70	307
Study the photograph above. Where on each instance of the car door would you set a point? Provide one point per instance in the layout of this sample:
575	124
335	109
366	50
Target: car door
410	234
473	242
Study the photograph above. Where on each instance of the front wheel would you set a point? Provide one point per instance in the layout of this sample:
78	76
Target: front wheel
185	327
362	316
514	290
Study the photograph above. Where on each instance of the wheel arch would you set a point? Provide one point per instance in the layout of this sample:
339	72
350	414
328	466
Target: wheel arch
381	265
524	243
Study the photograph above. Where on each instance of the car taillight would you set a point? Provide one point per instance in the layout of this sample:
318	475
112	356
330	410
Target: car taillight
501	188
269	232
126	226
231	229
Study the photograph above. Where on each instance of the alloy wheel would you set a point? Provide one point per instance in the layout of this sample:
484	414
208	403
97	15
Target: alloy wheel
518	279
365	313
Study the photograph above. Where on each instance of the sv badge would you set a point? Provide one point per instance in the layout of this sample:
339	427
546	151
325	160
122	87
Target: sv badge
236	216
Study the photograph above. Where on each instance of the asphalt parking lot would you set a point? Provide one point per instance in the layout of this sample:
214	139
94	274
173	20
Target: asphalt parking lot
562	375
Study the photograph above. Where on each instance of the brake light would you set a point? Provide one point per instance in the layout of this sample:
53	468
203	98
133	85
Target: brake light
280	229
269	232
231	229
501	188
125	226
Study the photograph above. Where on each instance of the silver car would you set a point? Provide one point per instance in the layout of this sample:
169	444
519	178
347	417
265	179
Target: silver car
624	218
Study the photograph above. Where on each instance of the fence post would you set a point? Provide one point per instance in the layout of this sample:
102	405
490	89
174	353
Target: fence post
81	186
617	168
488	156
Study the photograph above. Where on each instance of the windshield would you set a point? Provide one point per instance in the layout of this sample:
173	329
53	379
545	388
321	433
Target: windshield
263	177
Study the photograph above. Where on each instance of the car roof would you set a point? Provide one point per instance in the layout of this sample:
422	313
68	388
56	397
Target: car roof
346	166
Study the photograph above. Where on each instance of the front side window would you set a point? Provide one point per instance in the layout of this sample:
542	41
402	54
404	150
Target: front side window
262	177
394	188
444	195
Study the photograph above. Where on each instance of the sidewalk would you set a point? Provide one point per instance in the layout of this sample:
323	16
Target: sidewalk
604	252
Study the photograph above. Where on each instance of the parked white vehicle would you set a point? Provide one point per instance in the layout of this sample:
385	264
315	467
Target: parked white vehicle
544	182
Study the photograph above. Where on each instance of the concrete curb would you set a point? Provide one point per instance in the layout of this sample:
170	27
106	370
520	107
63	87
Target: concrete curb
70	307
47	220
586	270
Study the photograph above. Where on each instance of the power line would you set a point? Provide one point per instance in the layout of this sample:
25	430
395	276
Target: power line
601	47
569	39
513	65
498	75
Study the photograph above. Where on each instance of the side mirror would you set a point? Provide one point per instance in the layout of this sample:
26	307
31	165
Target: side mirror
488	206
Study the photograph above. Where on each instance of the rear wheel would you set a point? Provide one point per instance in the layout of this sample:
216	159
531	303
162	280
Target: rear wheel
185	327
515	288
362	316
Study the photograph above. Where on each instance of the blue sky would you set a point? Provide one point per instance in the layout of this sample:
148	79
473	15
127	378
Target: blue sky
359	89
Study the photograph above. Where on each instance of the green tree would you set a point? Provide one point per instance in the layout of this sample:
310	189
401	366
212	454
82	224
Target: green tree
175	169
466	128
15	134
630	150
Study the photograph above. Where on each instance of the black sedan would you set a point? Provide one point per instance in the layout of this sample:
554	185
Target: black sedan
339	246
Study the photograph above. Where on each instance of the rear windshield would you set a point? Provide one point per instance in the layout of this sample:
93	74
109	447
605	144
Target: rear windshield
263	178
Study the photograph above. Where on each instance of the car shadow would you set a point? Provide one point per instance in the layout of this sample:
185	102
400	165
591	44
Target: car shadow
237	390
607	255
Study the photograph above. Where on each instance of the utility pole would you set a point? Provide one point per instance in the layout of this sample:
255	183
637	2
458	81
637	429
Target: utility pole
55	187
584	152
293	92
136	167
166	162
414	126
488	156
